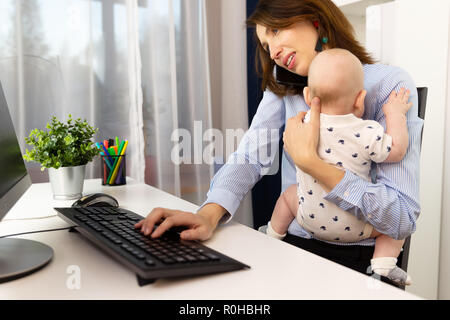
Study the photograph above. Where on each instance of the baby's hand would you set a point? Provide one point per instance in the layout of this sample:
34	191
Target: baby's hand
397	103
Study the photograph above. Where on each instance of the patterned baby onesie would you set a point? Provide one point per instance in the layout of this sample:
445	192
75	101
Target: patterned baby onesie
345	142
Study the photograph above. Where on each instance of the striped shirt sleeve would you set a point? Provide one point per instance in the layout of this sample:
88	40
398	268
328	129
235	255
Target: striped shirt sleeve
252	159
391	205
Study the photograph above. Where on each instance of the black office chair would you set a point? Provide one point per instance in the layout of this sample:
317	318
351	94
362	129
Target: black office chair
422	93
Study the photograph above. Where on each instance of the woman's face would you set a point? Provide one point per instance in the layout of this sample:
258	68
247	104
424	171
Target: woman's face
292	48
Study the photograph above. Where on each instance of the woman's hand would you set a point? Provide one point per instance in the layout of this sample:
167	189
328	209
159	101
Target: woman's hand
301	139
200	226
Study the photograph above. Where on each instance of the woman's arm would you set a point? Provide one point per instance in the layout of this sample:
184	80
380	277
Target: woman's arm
231	183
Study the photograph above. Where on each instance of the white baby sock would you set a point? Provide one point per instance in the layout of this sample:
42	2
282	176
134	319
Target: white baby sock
387	267
273	234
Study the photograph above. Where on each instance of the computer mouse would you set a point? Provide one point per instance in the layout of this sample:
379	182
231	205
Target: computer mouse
96	200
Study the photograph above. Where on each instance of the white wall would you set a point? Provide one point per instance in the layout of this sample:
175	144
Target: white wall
414	36
355	11
444	264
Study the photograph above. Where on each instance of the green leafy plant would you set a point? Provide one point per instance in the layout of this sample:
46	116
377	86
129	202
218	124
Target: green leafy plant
62	145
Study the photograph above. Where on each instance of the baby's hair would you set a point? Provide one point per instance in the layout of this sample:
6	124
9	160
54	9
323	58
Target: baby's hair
336	76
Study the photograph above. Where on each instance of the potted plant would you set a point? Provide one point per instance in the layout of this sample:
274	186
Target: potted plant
64	149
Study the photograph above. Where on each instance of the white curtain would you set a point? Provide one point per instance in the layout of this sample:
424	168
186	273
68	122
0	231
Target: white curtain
61	57
134	69
176	93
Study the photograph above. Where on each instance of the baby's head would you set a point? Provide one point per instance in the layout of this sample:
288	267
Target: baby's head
336	76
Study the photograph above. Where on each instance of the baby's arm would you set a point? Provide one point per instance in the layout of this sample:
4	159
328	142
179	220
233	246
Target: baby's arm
395	112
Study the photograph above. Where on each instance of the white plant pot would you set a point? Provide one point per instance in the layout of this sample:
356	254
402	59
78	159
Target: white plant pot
67	182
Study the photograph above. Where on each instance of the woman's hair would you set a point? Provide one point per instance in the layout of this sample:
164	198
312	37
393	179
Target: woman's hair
281	14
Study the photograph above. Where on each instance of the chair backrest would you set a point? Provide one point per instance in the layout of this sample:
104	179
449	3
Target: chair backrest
422	93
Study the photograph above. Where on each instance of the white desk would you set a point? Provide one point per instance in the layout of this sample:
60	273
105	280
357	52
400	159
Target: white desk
278	270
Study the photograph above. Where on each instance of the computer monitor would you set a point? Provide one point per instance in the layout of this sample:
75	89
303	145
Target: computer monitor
18	257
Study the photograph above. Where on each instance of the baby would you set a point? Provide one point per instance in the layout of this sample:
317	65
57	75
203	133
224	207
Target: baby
346	141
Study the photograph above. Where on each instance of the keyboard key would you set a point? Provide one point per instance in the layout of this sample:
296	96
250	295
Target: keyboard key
202	258
96	228
116	240
180	259
168	260
83	211
110	211
190	258
149	262
212	256
151	251
81	218
107	217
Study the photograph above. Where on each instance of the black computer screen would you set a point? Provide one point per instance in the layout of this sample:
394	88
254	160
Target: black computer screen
12	167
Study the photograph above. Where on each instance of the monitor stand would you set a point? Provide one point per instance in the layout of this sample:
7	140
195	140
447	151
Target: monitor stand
20	257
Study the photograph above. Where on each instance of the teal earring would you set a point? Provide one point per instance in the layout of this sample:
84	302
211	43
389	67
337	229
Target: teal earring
319	44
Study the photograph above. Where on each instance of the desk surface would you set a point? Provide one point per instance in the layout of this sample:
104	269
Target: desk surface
278	270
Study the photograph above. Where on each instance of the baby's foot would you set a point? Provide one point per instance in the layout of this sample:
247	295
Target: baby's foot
387	267
399	276
263	229
270	232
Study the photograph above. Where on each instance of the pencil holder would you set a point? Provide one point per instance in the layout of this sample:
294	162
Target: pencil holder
114	170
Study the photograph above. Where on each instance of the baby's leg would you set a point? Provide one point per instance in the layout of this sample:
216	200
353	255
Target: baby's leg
386	246
384	260
284	212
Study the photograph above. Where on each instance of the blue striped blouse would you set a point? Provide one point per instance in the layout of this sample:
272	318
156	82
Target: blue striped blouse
391	204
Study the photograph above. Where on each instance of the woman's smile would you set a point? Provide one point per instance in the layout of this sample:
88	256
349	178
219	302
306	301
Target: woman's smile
290	63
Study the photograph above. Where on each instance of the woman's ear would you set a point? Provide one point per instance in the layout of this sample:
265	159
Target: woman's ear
306	96
359	103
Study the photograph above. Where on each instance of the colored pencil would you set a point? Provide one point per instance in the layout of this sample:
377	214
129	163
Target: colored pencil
116	168
104	172
108	159
115	162
103	154
119	175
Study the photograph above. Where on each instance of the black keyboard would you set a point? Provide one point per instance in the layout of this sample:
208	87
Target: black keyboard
112	229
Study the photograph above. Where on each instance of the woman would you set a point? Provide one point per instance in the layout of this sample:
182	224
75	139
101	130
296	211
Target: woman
289	32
